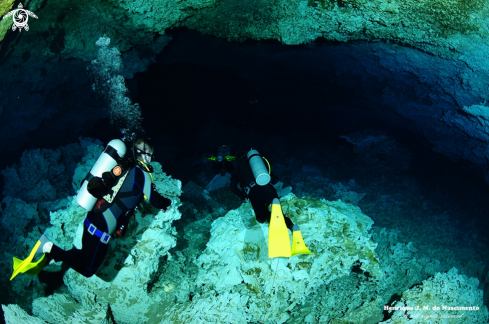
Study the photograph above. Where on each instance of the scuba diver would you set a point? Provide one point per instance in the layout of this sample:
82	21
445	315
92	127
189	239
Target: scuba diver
255	181
110	193
222	161
222	166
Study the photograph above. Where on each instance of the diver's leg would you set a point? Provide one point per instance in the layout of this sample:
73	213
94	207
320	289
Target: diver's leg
270	194
261	198
258	202
87	260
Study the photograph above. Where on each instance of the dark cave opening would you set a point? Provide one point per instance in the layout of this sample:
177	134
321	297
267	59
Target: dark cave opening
204	91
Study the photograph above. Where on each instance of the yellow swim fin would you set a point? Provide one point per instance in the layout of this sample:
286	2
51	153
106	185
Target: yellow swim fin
27	266
298	245
278	235
32	268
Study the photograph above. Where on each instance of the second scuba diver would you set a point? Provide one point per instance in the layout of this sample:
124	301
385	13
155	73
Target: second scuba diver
111	198
260	191
222	162
255	181
222	166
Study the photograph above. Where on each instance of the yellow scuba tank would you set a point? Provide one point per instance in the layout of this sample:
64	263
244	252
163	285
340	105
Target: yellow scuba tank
115	150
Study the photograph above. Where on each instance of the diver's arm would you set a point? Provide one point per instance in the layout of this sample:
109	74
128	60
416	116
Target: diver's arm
234	186
149	190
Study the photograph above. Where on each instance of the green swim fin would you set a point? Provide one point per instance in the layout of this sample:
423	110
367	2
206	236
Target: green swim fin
27	266
298	245
278	235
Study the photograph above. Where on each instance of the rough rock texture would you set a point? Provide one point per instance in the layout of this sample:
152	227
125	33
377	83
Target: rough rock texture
236	276
16	315
45	175
62	308
433	26
5	24
228	278
436	86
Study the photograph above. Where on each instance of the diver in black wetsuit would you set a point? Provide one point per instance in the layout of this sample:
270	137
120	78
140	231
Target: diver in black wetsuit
261	197
222	162
107	218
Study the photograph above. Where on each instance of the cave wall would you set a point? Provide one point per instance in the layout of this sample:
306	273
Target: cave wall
429	74
46	96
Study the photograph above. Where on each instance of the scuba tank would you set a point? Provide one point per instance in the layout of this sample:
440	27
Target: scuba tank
260	171
108	161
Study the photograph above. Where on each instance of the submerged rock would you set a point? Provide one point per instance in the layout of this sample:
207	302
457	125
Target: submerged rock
238	283
226	276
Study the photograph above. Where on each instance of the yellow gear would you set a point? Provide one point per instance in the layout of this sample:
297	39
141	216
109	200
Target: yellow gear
278	235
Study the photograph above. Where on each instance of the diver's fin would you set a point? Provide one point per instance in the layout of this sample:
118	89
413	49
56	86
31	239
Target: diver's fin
17	262
27	266
278	235
32	268
298	245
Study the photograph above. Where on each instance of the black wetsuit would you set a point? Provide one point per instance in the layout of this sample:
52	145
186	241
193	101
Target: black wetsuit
108	218
222	167
260	196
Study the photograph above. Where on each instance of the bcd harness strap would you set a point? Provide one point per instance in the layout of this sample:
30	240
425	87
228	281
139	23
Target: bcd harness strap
147	181
104	237
110	219
112	152
115	189
248	187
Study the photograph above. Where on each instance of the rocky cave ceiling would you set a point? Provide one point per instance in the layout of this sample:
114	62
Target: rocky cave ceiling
417	65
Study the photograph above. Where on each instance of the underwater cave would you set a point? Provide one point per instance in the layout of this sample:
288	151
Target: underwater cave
371	115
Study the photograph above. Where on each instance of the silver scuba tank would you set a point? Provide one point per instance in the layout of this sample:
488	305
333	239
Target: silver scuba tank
107	161
260	171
